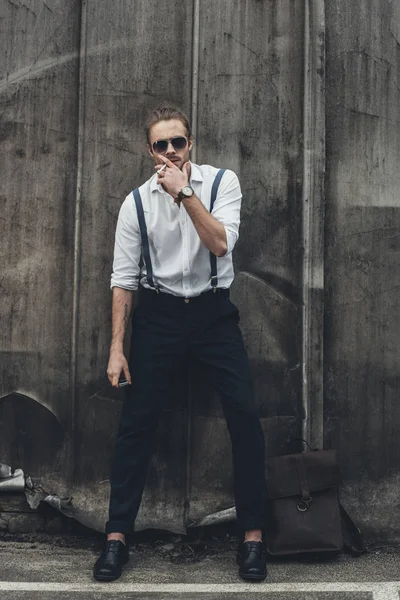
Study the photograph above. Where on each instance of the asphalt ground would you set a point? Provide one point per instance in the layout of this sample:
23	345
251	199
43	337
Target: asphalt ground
38	566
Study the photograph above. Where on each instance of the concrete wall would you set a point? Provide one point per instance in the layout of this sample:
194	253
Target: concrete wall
362	322
77	81
39	129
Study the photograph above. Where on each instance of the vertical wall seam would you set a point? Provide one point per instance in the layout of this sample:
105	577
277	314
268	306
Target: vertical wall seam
193	120
306	219
77	238
313	220
195	74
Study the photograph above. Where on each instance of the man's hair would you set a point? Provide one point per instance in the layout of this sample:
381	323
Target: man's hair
165	114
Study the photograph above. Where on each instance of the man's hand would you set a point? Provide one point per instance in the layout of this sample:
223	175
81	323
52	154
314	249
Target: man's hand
172	178
116	365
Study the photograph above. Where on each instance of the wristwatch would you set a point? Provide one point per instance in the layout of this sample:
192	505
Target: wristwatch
185	192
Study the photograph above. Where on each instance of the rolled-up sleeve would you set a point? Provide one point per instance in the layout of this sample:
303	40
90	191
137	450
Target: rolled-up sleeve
227	206
127	248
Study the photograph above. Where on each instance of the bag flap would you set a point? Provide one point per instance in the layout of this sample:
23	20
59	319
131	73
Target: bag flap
321	468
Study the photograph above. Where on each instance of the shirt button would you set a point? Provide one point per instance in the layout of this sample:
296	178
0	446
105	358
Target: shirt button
187	300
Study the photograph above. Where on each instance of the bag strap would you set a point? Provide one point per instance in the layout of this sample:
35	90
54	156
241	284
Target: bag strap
306	498
353	538
213	258
145	239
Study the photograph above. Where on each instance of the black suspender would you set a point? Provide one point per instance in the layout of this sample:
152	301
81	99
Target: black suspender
213	258
145	239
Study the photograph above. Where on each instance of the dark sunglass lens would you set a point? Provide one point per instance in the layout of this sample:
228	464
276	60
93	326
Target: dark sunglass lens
179	143
160	146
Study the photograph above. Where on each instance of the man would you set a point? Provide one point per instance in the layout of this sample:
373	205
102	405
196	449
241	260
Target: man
183	311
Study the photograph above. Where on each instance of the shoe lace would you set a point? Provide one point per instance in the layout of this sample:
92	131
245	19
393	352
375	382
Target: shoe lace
250	547
113	546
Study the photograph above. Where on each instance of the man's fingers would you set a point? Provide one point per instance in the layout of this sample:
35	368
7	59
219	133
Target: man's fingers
113	376
127	374
117	366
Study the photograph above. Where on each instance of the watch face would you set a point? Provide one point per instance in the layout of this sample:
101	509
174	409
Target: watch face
187	191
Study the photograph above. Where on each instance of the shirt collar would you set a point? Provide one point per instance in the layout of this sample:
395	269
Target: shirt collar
195	175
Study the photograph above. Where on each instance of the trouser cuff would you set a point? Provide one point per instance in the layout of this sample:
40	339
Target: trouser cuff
251	523
119	527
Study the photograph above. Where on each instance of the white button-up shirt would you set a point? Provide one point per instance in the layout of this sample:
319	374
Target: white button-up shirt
180	261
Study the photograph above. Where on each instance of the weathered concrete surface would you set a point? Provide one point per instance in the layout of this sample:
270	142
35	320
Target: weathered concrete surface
362	325
136	60
38	134
69	561
250	120
189	594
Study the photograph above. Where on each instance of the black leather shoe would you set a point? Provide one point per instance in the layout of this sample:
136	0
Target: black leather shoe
109	565
251	558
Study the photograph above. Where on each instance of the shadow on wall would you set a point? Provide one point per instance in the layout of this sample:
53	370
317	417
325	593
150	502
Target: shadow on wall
31	436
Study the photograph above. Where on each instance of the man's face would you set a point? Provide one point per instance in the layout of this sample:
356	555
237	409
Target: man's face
165	130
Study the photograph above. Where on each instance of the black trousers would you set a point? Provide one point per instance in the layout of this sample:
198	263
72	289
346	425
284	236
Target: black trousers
165	331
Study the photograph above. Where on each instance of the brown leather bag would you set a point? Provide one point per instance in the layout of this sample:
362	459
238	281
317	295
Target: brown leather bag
303	509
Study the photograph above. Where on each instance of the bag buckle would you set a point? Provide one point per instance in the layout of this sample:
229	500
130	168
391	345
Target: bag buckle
304	504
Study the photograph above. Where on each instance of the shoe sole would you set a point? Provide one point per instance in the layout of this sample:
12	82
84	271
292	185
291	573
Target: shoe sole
252	577
105	578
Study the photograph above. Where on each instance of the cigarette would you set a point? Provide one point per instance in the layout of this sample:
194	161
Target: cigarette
162	169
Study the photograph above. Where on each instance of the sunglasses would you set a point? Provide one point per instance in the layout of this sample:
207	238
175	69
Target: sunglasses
161	146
